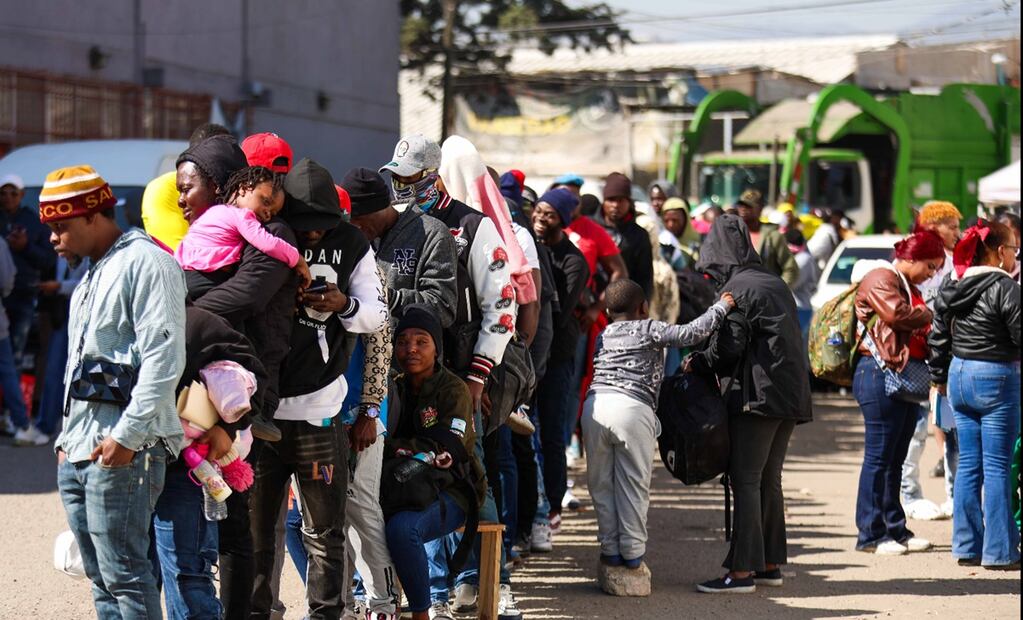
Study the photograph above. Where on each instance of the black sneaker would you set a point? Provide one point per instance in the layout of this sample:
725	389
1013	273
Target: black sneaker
772	578
968	561
1009	567
726	585
265	429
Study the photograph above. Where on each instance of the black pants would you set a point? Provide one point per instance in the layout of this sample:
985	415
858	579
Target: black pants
758	452
318	457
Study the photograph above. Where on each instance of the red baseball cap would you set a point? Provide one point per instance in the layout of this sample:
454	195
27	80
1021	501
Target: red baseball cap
268	150
344	199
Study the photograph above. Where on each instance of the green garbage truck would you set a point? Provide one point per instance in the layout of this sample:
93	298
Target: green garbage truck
875	157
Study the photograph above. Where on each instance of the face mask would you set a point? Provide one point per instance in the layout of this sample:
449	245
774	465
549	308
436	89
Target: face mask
419	191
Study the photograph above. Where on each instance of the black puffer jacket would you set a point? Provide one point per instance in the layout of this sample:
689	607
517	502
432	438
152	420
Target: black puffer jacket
975	318
773	378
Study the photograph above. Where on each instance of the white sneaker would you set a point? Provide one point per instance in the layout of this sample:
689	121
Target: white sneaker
507	608
890	547
540	539
466	596
381	615
30	437
923	510
948	508
915	544
8	427
570	502
441	611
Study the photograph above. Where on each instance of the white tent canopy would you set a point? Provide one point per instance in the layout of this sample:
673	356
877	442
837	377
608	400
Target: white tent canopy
1001	186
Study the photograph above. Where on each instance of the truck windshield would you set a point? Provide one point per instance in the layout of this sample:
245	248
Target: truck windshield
723	183
831	184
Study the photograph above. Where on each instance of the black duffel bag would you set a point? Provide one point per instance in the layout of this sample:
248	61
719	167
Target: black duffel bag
694	443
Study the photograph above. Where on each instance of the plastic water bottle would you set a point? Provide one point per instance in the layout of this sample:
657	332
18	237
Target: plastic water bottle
215	490
414	465
835	338
214	510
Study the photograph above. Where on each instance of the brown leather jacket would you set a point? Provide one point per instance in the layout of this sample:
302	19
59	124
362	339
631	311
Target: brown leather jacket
882	292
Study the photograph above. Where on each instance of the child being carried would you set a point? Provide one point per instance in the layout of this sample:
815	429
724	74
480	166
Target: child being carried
215	241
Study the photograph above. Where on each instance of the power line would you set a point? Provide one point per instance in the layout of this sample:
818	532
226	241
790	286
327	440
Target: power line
568	26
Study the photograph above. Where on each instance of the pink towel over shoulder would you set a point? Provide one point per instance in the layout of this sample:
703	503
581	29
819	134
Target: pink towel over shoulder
466	179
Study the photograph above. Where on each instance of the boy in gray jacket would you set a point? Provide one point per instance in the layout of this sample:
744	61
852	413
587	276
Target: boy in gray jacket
619	426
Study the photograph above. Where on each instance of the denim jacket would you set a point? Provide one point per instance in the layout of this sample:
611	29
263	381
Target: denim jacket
128	309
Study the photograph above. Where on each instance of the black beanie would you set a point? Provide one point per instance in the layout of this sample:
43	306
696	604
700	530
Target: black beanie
420	317
311	199
368	191
218	157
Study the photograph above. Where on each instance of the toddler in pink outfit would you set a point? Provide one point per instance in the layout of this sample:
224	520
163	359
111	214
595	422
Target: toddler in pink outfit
215	241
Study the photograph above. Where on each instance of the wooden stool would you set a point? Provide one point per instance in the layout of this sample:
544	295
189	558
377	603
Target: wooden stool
490	569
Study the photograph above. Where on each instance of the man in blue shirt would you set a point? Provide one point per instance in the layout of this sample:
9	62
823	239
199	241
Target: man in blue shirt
129	311
29	243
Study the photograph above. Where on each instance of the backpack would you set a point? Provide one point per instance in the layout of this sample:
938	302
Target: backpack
833	341
694	442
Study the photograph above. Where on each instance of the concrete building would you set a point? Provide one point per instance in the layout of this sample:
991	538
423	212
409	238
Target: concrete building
321	73
902	67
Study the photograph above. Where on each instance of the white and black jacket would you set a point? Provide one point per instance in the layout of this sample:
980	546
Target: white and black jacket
485	318
321	344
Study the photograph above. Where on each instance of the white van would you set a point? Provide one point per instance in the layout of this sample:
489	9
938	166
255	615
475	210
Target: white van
127	165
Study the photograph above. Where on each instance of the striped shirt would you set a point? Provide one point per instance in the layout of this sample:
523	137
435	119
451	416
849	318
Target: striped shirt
128	309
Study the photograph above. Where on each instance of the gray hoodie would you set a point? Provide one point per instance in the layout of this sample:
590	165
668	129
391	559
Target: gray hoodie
419	257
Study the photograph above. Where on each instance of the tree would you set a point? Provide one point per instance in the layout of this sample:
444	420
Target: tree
473	36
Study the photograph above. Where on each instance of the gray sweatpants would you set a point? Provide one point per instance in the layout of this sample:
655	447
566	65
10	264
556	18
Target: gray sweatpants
619	432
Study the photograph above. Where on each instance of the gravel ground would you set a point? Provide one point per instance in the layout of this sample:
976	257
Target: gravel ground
826	577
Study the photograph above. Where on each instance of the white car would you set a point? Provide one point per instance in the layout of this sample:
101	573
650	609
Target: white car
127	165
837	274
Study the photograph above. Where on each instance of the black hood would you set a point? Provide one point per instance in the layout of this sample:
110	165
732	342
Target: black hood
963	295
726	249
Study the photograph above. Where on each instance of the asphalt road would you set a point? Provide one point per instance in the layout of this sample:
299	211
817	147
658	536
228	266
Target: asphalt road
826	577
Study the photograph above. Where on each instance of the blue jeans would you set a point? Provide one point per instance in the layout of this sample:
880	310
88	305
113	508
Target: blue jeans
10	382
554	402
21	311
51	405
186	547
986	405
110	511
406	534
888	428
293	540
509	486
543	506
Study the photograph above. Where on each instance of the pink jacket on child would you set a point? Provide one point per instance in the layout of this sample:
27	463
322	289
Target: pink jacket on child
217	238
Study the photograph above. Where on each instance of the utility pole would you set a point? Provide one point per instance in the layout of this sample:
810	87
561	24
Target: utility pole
246	71
447	44
139	43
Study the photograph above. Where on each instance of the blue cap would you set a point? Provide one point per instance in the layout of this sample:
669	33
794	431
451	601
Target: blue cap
569	179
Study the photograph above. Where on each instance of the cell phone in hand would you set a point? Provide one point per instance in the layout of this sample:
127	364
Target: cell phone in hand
319	285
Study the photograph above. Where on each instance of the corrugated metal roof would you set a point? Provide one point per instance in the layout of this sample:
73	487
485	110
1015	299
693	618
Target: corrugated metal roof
823	60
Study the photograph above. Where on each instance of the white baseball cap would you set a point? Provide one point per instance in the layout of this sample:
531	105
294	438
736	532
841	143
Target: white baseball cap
12	179
412	155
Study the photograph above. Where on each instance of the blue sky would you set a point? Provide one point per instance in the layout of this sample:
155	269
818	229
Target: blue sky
682	20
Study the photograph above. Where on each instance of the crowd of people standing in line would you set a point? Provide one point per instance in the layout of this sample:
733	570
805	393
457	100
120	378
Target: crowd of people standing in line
419	348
